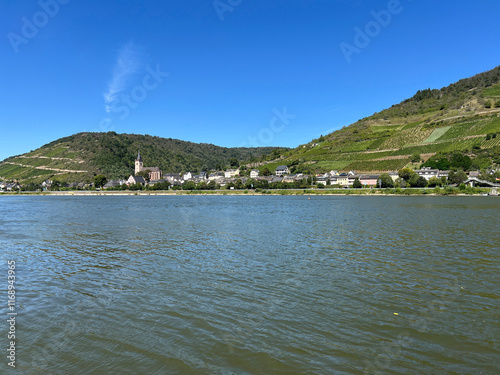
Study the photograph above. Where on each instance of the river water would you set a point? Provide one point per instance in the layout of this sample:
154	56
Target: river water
252	284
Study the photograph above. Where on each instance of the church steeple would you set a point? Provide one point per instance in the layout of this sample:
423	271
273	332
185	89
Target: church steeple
138	163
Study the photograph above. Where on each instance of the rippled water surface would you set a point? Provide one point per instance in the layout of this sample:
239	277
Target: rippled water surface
253	284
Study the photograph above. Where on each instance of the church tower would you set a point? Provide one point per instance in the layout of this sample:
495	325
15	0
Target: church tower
138	163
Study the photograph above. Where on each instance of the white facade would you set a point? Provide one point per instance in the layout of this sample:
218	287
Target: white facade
231	173
427	173
281	170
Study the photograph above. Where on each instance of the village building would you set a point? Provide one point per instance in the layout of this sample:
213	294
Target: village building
369	180
154	172
9	186
231	173
343	179
172	177
427	172
202	176
492	171
276	179
394	176
443	174
215	176
111	184
281	170
322	180
135	180
351	178
254	173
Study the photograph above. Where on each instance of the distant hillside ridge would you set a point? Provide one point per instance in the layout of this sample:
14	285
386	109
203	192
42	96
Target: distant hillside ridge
79	157
461	118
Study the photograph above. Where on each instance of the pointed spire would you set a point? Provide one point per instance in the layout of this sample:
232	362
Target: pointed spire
139	155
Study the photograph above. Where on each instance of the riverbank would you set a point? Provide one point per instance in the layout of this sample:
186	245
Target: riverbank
335	192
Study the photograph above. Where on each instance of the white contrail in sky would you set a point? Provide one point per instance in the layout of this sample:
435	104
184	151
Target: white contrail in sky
127	64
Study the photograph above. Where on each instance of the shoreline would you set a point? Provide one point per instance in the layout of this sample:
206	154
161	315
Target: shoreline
347	192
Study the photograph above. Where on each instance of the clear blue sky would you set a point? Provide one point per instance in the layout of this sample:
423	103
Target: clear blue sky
68	66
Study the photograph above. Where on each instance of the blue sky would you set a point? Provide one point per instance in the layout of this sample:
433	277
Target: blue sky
228	72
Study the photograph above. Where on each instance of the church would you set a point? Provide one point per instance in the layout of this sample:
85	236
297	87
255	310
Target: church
154	172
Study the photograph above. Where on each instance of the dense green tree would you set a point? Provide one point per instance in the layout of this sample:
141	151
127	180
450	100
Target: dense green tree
238	184
234	162
202	185
438	161
480	162
189	185
164	185
415	158
136	186
400	183
250	184
457	177
212	185
31	187
264	184
417	181
406	173
385	181
100	180
459	160
56	185
357	184
144	174
266	172
434	181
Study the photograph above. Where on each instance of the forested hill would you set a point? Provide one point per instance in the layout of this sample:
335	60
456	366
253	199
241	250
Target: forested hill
462	118
433	126
80	156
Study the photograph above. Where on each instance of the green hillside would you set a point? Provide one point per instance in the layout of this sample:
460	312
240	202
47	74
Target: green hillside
81	156
433	125
460	118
